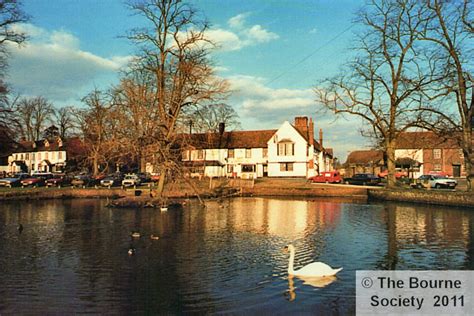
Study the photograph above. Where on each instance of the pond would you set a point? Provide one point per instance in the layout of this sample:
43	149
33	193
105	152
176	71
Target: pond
72	255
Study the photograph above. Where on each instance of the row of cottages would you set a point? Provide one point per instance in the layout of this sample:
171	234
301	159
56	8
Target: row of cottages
38	156
290	151
416	153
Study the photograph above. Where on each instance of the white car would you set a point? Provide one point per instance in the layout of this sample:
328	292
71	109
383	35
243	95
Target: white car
435	181
131	180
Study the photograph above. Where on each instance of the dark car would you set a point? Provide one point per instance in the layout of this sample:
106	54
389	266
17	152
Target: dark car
14	180
363	179
58	180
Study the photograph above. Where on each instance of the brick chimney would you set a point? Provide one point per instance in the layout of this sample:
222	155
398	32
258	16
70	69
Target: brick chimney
301	123
321	137
311	132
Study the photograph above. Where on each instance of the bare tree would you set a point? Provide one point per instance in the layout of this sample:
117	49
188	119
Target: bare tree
449	28
382	84
98	128
174	50
135	101
32	116
208	117
10	15
64	119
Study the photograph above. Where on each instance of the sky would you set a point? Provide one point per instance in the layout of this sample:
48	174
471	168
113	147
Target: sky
272	53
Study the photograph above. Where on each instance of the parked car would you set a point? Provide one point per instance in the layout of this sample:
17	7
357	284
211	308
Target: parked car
131	180
36	180
155	178
81	180
58	180
111	180
328	177
14	180
439	173
363	179
145	177
435	181
398	174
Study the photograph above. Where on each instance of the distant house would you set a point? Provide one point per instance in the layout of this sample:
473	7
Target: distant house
289	151
416	153
364	161
431	152
39	156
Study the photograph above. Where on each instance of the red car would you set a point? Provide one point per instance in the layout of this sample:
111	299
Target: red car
328	177
398	174
36	180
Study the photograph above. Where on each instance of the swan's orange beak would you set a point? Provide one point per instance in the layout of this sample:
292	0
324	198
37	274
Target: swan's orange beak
285	249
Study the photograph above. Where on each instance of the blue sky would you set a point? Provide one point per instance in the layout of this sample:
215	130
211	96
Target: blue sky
272	52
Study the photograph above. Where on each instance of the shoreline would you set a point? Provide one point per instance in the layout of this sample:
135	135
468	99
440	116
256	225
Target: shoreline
143	197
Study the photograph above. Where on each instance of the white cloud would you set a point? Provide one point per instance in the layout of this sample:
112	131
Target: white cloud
261	35
238	21
241	35
268	107
52	64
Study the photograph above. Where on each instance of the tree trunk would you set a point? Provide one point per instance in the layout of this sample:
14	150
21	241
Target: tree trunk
390	151
142	162
468	157
161	182
95	166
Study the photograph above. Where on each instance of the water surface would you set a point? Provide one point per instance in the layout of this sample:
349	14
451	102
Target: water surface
225	258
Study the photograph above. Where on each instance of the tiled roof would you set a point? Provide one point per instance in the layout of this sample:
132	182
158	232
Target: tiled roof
304	132
234	139
365	157
417	140
29	146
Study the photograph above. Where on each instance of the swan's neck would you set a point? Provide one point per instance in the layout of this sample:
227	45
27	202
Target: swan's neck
292	259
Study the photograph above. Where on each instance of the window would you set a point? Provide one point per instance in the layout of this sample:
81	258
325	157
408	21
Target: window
185	155
33	157
230	168
436	153
248	153
286	149
286	166
437	167
27	156
248	168
60	155
39	156
46	156
200	154
21	157
230	153
265	152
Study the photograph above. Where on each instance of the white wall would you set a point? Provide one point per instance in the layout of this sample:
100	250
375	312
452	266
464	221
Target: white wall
33	159
299	159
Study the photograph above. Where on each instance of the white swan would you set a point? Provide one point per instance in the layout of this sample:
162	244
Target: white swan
315	269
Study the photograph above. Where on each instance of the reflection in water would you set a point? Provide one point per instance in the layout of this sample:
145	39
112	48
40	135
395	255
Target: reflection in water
72	255
314	282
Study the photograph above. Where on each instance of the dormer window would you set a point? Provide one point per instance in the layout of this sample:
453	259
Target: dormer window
46	143
286	148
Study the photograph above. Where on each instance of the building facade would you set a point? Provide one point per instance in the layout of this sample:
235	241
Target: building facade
40	156
416	153
289	151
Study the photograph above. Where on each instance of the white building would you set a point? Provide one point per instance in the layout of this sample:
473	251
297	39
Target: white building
290	151
40	156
